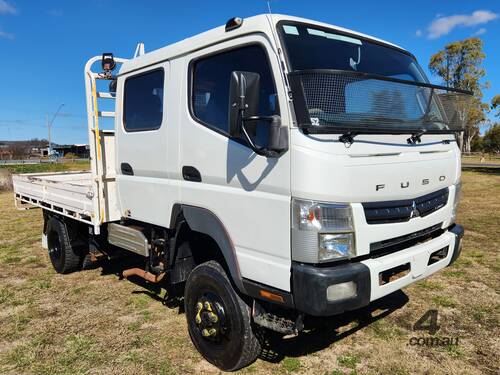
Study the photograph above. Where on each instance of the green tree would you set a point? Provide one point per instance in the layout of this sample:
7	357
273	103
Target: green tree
459	65
477	144
491	139
495	104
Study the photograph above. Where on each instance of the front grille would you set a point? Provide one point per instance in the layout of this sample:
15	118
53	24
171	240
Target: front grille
392	245
404	210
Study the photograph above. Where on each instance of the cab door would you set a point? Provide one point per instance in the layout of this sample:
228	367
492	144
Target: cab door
248	193
143	157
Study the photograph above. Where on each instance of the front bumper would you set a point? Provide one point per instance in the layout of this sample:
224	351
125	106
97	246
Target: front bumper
310	282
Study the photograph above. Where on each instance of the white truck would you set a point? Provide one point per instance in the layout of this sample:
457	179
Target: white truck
267	170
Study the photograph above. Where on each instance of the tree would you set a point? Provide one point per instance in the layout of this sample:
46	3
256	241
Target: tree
491	139
477	144
459	65
495	104
19	150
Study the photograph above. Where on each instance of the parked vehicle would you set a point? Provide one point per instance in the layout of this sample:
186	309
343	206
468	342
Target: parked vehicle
267	170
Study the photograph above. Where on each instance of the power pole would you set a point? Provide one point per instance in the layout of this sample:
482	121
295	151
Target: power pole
48	127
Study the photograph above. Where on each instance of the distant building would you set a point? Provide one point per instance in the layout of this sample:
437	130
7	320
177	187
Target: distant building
79	150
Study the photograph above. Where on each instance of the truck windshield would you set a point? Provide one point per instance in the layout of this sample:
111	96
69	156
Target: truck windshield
347	82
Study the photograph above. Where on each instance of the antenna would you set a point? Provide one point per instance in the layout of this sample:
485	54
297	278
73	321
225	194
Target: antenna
278	51
272	22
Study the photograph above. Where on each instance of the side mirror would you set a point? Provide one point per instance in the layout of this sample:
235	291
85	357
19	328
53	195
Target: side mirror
243	99
244	106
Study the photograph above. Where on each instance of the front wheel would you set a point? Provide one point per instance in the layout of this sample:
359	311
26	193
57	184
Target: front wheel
219	321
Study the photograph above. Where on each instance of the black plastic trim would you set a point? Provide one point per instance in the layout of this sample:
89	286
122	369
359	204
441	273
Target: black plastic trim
204	221
458	231
397	211
309	284
395	244
191	174
253	288
126	169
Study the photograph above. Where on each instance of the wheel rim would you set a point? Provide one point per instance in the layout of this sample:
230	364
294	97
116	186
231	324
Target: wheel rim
54	245
210	318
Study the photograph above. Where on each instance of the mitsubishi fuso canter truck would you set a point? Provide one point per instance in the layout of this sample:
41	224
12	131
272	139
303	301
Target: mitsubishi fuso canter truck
265	171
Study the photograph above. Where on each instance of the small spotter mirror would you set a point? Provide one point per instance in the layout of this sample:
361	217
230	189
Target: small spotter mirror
108	62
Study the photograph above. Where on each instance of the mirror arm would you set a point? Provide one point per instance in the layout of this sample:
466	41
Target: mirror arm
258	118
258	150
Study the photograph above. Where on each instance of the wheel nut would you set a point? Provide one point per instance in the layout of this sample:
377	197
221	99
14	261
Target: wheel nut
213	317
208	332
199	307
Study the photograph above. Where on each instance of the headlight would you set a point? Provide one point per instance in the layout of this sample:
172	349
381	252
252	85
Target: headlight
335	246
456	201
321	232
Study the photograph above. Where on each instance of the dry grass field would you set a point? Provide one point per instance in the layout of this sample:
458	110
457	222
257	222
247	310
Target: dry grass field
484	159
92	322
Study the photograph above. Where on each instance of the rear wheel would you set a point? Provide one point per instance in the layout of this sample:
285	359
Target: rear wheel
63	256
219	321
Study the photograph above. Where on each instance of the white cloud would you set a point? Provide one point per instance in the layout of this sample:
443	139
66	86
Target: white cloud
481	31
5	35
6	8
418	33
444	25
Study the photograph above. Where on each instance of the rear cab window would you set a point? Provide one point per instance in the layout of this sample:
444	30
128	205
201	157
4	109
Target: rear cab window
143	101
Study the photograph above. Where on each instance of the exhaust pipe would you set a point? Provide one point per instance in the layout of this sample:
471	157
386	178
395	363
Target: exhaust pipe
145	275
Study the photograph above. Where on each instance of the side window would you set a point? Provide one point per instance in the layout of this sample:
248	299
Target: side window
210	90
143	101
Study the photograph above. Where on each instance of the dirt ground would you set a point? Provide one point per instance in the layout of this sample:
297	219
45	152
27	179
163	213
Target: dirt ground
92	322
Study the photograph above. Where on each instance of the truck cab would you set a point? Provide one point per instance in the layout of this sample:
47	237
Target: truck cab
275	168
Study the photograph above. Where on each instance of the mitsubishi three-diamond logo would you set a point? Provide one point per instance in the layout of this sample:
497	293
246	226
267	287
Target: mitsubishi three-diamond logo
414	210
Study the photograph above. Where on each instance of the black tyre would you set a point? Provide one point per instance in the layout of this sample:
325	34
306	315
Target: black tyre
64	258
219	321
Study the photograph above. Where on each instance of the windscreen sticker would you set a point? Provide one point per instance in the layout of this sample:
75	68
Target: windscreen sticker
342	38
290	30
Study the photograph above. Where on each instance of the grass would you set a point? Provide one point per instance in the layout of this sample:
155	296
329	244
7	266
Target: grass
93	322
349	361
444	301
47	167
291	364
477	159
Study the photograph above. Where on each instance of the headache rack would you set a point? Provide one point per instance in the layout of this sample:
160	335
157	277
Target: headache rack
87	196
101	142
338	101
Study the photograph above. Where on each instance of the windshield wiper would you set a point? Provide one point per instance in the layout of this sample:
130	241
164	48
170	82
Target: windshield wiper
416	137
348	137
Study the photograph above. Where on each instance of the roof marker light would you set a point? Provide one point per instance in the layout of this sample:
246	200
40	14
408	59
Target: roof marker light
234	23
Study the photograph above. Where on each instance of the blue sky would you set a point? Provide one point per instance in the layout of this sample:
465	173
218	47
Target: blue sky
45	44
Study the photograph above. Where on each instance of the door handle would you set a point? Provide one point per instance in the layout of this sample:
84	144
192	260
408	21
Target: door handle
191	174
127	169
